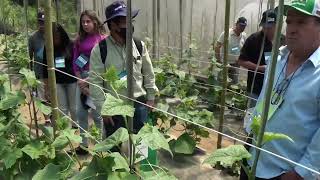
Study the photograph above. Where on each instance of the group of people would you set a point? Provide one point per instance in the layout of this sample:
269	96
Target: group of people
79	61
296	89
294	105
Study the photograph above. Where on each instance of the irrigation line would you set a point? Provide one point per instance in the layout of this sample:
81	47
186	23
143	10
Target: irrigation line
191	122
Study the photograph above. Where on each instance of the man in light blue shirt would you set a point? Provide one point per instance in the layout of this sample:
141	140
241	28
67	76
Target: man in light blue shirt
297	81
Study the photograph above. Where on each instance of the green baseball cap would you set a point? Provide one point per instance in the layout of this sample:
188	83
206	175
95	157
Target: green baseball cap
309	7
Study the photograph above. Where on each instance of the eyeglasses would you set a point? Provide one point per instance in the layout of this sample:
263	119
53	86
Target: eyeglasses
280	91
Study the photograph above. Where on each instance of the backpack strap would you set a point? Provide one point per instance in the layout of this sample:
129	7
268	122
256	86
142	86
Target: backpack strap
138	45
103	50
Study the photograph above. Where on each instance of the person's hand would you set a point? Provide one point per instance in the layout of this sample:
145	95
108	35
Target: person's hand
108	120
262	68
291	175
85	91
82	83
150	103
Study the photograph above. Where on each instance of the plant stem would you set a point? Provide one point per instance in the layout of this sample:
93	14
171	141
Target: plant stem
74	152
270	81
35	115
225	71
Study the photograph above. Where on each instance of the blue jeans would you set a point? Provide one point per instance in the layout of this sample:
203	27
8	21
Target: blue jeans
67	99
82	117
139	119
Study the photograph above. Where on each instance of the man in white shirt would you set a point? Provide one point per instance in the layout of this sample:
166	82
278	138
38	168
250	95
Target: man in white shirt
237	37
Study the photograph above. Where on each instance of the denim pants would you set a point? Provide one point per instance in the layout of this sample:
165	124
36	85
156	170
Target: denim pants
67	99
139	119
83	118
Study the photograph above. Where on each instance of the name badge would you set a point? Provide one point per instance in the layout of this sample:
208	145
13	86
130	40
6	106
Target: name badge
60	62
82	60
235	50
123	75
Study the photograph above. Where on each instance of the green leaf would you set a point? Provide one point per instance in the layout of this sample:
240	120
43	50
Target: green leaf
11	157
151	137
111	75
47	131
63	139
98	169
12	100
50	172
255	125
118	137
113	106
122	176
35	149
228	156
185	144
269	136
120	162
30	77
43	108
63	123
157	175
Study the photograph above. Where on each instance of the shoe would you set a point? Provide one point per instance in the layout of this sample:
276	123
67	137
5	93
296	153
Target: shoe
81	151
47	122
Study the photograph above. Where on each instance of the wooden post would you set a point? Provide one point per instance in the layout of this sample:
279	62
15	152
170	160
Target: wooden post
215	19
267	96
181	32
50	60
154	28
225	70
130	79
168	33
58	10
158	29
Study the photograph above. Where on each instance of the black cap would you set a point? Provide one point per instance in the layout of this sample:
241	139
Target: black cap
118	9
40	16
242	21
269	17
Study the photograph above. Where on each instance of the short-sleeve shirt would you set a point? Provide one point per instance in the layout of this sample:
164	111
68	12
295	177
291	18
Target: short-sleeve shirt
235	44
251	52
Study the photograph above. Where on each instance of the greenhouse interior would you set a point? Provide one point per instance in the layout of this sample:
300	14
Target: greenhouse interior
160	89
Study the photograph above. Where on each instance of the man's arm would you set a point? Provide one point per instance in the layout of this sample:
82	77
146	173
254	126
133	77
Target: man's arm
311	158
250	65
246	55
149	81
96	69
217	48
218	45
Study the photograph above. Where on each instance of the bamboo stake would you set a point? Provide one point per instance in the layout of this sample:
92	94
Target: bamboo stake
154	28
130	80
58	10
168	36
270	81
50	60
225	70
181	32
158	29
215	19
